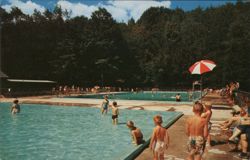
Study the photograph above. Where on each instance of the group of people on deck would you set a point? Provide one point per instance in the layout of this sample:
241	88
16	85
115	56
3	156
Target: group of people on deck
197	129
230	91
238	126
159	140
238	129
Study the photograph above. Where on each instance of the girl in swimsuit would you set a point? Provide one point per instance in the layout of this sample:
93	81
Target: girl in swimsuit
105	105
159	140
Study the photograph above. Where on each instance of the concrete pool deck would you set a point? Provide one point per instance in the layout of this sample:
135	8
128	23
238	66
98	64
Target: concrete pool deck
220	149
177	149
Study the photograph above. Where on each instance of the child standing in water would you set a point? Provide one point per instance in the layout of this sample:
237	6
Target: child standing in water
159	140
115	113
178	97
15	108
105	105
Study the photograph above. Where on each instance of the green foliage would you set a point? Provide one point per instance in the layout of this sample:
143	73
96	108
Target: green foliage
155	51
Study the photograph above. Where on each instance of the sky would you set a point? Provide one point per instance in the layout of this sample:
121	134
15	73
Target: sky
121	10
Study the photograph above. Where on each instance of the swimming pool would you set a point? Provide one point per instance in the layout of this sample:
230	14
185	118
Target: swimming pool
146	95
42	132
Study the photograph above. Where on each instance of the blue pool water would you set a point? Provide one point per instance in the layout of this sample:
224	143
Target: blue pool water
43	132
146	95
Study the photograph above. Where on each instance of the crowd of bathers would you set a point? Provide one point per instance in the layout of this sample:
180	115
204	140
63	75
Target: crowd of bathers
198	127
68	90
230	91
238	126
159	140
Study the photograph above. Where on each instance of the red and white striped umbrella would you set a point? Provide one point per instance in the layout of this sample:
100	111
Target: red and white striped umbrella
202	67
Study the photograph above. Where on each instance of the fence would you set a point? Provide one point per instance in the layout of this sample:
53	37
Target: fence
242	98
34	91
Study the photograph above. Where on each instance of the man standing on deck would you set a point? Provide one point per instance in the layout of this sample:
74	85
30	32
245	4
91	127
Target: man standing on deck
207	115
197	131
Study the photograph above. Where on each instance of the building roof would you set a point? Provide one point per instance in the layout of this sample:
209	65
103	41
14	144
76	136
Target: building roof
3	75
30	81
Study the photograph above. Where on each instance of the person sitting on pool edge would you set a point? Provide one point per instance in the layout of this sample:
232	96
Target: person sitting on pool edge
115	113
105	105
136	134
15	108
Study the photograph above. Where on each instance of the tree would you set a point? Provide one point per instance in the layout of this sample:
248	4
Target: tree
157	50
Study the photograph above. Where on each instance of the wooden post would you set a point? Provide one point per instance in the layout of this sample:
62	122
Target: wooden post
201	87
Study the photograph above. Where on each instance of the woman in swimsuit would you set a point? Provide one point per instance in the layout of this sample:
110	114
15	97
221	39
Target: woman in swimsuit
159	140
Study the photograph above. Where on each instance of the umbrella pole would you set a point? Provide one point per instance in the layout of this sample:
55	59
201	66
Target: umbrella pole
201	88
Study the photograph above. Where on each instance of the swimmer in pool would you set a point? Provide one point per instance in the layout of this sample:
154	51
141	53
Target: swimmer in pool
15	108
178	97
105	105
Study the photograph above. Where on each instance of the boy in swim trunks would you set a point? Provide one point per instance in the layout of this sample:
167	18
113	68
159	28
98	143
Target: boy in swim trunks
105	105
197	131
115	113
159	139
136	134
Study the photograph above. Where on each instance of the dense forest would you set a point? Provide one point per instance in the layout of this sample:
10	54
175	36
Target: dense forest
155	51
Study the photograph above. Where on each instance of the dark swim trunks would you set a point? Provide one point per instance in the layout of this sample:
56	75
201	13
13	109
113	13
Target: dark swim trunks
245	129
114	116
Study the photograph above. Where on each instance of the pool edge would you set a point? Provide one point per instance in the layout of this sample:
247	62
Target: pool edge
141	148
